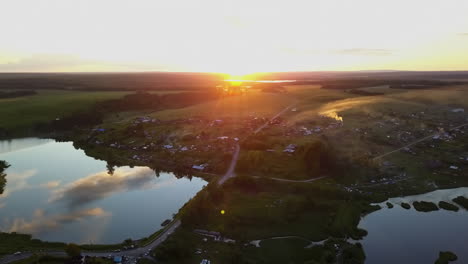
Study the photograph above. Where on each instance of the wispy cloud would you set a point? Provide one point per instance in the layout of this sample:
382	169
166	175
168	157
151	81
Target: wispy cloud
364	52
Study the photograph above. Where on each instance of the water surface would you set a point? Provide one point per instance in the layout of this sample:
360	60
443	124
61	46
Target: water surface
57	193
398	235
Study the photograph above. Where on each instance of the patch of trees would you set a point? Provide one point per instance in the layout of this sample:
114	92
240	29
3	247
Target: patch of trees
354	254
445	257
14	94
363	92
463	201
448	206
73	250
318	157
176	248
110	81
250	160
13	242
3	166
425	206
255	142
345	84
131	102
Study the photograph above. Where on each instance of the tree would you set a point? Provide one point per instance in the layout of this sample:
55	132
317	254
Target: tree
73	250
3	166
110	168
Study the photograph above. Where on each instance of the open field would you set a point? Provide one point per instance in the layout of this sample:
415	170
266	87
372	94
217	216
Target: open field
22	113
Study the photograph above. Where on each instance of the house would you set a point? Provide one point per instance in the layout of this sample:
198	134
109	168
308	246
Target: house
291	148
199	167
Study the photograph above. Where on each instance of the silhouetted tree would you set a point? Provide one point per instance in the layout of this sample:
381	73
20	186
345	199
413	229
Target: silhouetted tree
73	250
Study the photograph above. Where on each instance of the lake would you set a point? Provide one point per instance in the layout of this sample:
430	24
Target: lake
398	235
57	193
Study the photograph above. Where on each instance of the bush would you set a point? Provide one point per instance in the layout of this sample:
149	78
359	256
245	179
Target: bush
317	157
425	206
463	201
405	205
354	254
73	250
445	257
448	206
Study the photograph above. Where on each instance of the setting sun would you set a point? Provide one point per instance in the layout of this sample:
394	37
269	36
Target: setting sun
236	37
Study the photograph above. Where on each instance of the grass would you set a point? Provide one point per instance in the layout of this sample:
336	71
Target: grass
19	115
448	206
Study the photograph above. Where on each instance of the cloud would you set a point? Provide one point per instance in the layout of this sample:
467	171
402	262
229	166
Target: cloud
101	185
17	182
41	222
51	184
45	62
364	52
463	34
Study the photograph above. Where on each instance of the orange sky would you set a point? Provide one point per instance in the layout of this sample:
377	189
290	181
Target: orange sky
237	37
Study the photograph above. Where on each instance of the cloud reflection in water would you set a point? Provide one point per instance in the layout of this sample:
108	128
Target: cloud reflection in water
101	185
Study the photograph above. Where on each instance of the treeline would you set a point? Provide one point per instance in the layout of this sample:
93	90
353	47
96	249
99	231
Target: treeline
110	81
401	84
14	242
14	94
318	157
363	92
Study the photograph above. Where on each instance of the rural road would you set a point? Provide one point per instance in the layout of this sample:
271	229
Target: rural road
230	172
273	118
235	157
137	252
415	142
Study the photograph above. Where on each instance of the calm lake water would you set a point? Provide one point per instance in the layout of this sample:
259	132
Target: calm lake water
398	235
57	193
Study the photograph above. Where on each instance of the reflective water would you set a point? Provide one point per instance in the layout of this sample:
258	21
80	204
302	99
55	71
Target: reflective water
57	193
398	235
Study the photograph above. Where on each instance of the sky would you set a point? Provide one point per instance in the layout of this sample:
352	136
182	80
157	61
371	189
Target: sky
235	37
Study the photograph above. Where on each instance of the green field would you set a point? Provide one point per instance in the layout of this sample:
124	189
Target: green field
19	115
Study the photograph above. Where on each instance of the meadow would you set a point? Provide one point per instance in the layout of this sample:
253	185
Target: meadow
19	115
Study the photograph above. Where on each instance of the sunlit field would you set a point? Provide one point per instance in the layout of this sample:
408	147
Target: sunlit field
25	112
